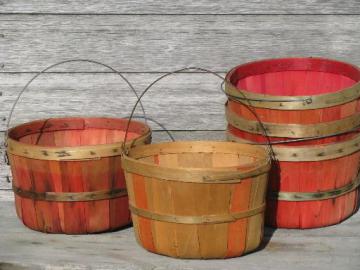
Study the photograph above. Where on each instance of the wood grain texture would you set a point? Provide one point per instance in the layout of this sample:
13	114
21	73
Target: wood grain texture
180	102
331	248
158	136
37	175
198	211
183	7
164	43
299	176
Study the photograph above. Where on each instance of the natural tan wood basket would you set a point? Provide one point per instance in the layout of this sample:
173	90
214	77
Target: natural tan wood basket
199	199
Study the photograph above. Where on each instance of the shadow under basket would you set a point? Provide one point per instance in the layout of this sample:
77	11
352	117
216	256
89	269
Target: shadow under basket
314	103
67	175
199	199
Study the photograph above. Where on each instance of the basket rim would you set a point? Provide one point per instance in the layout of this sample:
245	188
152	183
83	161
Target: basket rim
316	152
28	150
314	101
226	174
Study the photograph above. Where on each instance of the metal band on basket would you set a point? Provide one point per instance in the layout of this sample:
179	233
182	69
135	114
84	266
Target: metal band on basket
17	148
72	153
314	196
309	153
193	175
71	196
205	219
293	102
293	130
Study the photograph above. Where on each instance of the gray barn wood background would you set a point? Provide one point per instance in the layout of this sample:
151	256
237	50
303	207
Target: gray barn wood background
144	40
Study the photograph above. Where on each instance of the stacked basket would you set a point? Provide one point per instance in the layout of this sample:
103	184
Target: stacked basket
310	110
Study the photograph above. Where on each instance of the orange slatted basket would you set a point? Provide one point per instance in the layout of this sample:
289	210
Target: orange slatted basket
67	175
310	109
199	199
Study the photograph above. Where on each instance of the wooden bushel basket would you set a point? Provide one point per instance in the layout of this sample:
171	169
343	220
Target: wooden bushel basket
67	175
310	109
200	199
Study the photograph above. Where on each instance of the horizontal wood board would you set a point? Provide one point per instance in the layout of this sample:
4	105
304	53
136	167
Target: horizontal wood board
179	102
181	7
131	43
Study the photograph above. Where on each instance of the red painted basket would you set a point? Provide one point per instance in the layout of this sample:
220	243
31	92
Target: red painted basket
67	174
310	111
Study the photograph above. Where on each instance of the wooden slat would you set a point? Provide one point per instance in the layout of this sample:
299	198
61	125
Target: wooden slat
335	247
183	101
164	43
256	223
158	136
181	7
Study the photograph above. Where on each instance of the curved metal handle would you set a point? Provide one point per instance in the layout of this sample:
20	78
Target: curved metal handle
156	122
55	65
61	63
270	150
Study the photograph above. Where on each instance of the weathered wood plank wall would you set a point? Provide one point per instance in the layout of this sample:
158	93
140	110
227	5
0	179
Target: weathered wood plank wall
144	39
181	7
158	43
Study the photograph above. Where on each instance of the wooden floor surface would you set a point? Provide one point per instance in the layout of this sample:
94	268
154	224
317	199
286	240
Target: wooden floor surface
335	247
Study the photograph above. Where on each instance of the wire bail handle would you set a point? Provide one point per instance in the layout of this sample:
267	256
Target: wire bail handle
125	151
6	158
157	123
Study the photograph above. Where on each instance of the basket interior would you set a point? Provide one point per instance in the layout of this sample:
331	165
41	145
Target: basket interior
191	155
71	132
201	160
295	77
